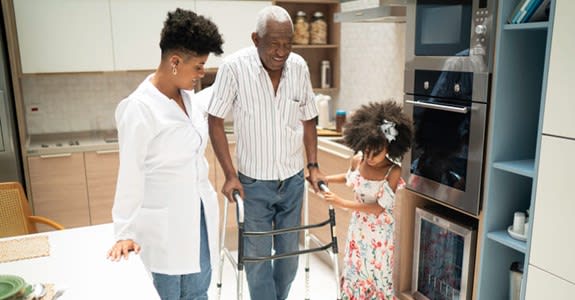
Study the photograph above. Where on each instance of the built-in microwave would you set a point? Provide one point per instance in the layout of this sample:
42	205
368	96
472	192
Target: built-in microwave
453	35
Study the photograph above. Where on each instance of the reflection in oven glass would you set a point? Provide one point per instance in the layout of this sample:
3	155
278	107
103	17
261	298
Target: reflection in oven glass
441	144
440	262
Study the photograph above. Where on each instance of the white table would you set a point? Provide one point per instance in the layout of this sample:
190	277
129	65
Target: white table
78	261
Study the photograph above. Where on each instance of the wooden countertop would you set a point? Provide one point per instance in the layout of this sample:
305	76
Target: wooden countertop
327	132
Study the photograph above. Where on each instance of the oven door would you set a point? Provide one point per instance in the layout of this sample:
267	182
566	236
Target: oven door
446	159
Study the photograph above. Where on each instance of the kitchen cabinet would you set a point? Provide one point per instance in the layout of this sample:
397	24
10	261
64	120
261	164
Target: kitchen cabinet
315	54
57	36
58	186
559	105
217	178
542	285
101	177
236	21
513	147
75	189
64	35
141	32
551	251
136	28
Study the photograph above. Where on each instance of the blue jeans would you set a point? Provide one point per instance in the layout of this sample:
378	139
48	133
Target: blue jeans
272	204
192	286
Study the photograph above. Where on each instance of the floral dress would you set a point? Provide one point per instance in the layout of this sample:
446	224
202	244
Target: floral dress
368	260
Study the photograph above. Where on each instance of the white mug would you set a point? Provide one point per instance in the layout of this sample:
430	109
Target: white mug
519	222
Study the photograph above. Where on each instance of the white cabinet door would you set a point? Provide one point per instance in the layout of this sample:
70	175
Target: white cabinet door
542	285
559	104
552	243
136	28
236	21
64	35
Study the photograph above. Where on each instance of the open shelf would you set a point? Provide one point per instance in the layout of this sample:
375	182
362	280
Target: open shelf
527	26
314	54
502	237
326	46
521	167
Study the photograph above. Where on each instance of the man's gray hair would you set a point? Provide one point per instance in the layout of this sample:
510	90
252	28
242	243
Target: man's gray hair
271	13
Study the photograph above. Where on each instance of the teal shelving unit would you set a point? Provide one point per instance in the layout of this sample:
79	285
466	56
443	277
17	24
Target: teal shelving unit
514	136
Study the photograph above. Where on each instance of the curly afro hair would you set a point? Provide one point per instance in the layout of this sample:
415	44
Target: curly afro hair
363	131
187	31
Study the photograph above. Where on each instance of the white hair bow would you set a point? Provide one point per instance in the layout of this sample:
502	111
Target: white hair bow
388	129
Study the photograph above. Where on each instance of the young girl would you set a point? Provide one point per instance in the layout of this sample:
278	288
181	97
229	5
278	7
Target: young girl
380	134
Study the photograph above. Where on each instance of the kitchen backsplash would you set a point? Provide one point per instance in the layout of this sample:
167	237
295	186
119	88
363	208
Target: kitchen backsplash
75	102
372	60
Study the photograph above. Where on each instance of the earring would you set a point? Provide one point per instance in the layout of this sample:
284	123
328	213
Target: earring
174	70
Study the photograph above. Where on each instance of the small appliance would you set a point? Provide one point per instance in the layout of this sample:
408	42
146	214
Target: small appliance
444	255
454	35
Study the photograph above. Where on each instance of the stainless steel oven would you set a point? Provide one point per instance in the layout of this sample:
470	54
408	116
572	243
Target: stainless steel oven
449	112
455	35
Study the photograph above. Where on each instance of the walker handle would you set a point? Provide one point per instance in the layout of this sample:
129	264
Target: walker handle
240	203
322	186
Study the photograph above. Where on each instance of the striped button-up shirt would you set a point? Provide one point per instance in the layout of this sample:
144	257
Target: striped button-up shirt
268	126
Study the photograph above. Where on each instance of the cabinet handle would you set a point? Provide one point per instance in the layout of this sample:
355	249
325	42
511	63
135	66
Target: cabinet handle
322	148
56	155
107	151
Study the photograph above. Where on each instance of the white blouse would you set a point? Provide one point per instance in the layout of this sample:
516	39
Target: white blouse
162	179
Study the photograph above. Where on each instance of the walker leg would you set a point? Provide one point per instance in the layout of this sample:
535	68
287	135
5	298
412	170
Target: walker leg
335	264
240	287
222	246
306	239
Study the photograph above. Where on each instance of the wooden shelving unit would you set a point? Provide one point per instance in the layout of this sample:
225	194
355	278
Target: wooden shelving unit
314	54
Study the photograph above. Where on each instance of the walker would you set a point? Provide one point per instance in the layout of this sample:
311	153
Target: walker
331	248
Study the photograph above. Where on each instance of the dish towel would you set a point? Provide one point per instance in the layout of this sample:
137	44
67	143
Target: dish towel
24	248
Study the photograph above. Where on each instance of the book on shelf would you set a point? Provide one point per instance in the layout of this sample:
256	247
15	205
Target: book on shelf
515	13
524	10
541	13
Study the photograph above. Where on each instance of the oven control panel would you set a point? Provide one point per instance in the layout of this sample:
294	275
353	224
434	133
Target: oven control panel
480	35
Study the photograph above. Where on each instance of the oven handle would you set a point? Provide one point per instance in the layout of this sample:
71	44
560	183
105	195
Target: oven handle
460	110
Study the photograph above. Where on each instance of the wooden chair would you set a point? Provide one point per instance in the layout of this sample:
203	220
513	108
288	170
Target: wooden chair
15	215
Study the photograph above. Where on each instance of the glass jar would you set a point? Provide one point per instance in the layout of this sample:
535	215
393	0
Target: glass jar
301	29
318	29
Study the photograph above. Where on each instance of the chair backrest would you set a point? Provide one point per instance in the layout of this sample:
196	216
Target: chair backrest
14	211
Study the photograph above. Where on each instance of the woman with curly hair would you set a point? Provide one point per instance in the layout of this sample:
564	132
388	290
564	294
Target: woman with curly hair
165	207
380	134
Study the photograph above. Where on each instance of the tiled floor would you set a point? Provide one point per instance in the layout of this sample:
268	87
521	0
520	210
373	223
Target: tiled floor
322	282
